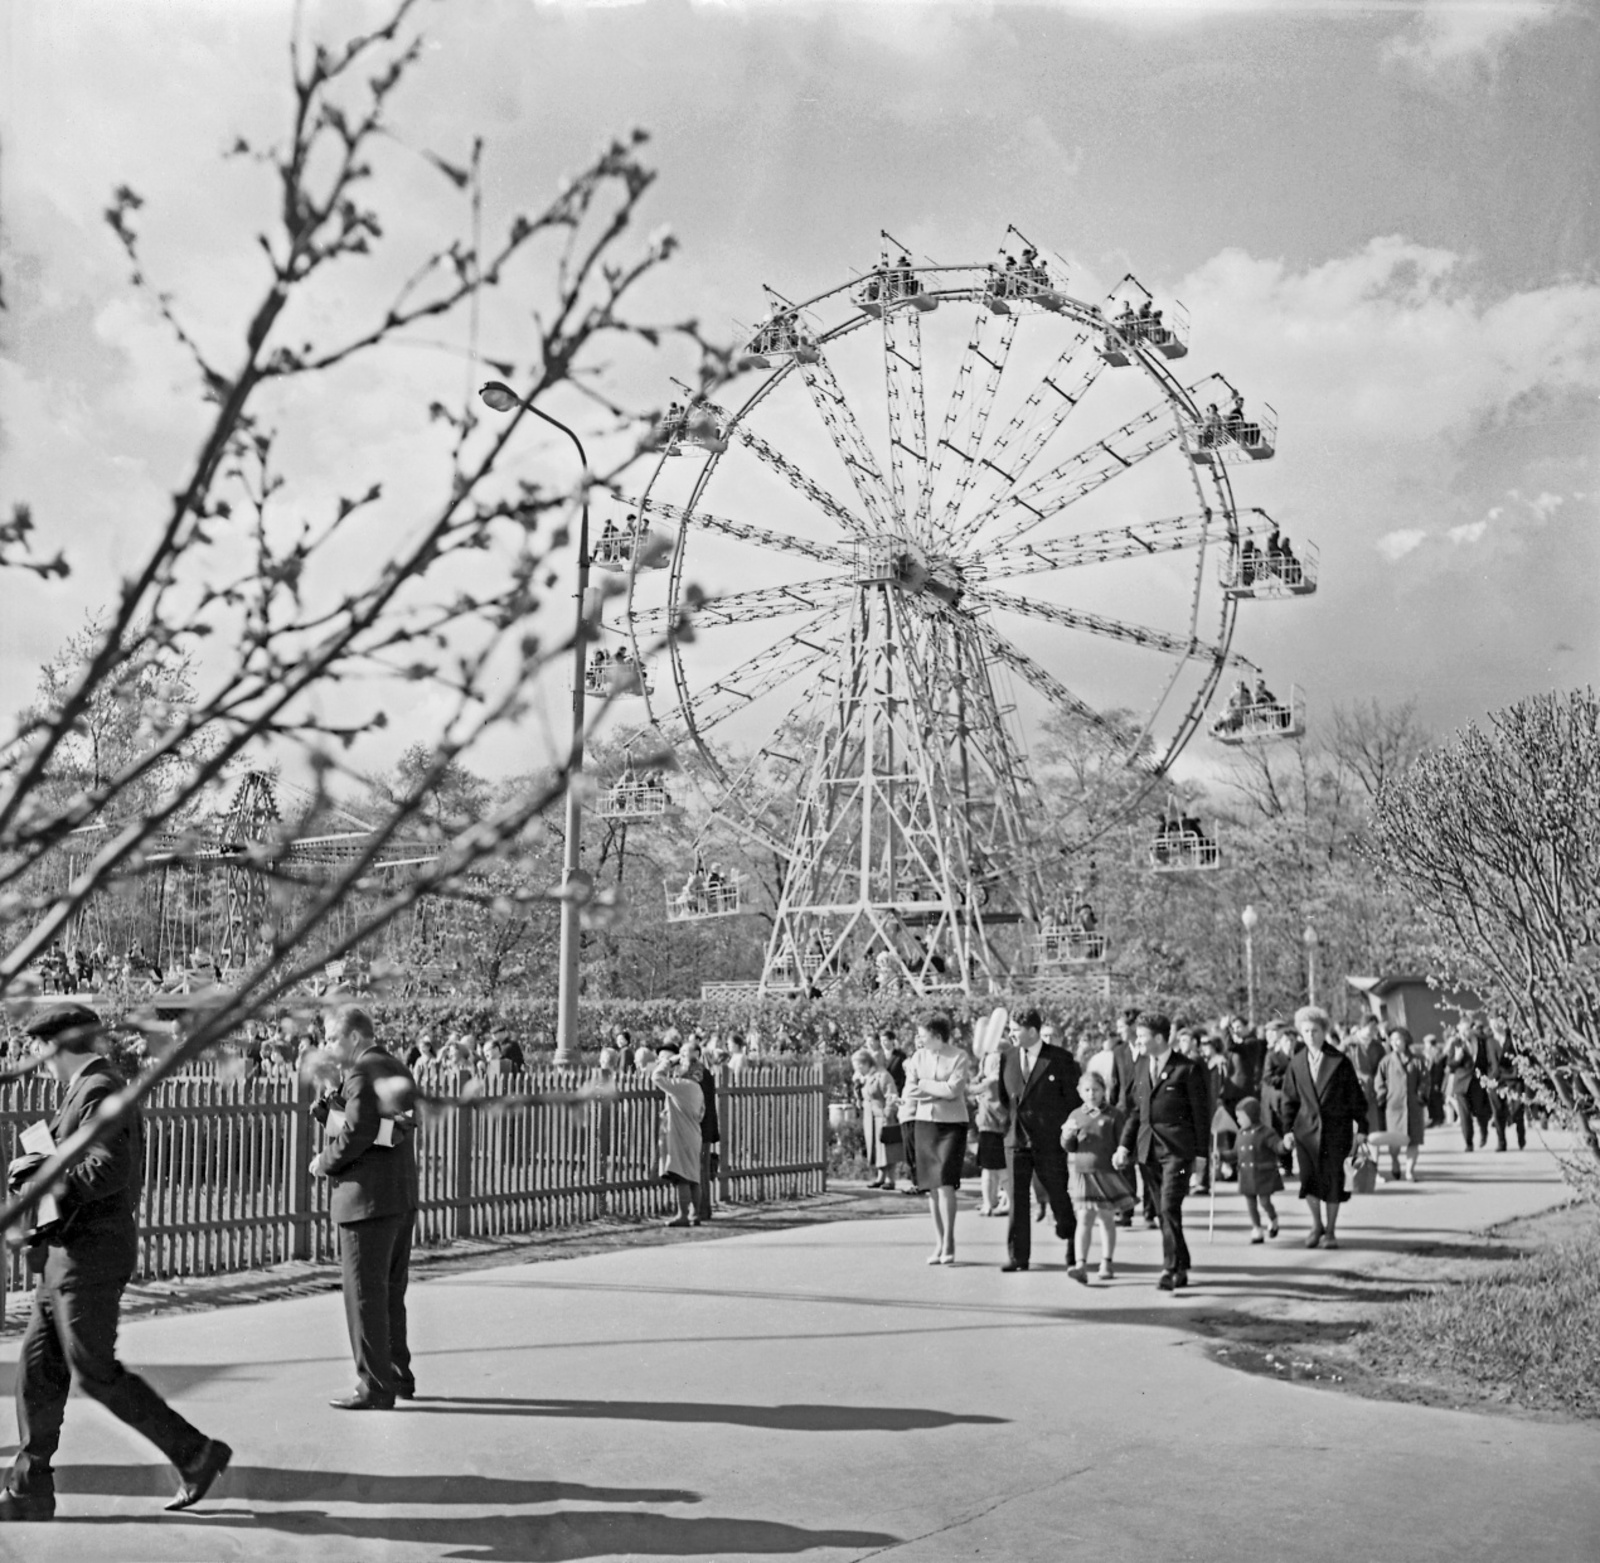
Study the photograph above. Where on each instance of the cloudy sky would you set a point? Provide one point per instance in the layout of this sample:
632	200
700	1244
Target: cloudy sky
1382	217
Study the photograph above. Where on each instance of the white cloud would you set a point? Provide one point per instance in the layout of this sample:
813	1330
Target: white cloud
1396	545
1451	38
1471	532
1546	505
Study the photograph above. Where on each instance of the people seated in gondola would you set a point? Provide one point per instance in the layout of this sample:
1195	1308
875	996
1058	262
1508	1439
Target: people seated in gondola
1288	566
1248	557
1261	697
1233	714
1240	430
1128	322
908	284
653	782
1032	271
1212	429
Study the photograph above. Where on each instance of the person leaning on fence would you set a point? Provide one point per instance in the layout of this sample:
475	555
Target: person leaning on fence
370	1157
695	1057
84	1259
683	1102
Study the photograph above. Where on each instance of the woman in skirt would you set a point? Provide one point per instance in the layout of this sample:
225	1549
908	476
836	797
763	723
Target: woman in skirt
934	1106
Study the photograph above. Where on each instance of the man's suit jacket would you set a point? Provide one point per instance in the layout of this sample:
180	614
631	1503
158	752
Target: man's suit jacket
369	1179
1169	1115
97	1239
1041	1104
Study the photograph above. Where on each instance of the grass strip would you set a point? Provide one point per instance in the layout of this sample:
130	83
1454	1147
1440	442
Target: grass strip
1526	1330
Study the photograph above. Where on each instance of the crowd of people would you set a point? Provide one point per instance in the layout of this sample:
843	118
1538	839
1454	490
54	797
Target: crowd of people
1274	560
1090	1134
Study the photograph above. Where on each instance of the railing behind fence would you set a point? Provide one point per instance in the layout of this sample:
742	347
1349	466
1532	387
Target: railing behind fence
227	1184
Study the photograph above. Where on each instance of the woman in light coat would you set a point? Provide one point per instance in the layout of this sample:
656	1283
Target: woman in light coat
1401	1083
681	1108
880	1112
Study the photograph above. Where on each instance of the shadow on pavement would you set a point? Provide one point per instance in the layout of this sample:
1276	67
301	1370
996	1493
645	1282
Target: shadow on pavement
544	1538
274	1484
790	1419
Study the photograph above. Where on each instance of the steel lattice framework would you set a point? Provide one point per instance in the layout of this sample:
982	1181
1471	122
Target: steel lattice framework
890	566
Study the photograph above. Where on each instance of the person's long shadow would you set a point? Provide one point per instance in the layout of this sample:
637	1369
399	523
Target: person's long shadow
567	1534
279	1484
790	1419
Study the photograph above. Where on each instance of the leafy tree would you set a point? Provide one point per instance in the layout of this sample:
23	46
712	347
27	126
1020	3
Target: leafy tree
1497	834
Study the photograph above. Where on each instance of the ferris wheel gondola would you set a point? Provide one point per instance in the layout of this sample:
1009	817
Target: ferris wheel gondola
866	613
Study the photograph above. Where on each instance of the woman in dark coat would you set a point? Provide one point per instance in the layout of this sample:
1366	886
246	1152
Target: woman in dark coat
1325	1110
1402	1086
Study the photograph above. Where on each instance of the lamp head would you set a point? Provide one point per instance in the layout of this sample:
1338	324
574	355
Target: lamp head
498	395
1310	937
1249	917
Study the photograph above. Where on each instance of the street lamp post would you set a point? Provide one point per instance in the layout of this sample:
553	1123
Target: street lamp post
1249	917
502	398
1309	937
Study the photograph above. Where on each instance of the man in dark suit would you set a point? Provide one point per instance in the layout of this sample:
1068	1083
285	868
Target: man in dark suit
1119	1088
1498	1062
1039	1083
370	1157
1168	1133
85	1258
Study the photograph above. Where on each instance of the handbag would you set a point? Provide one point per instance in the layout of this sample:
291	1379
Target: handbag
1362	1170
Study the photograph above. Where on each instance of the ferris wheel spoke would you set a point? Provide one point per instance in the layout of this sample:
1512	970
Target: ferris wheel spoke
1138	540
1003	651
848	440
1035	423
758	677
784	542
971	401
1112	629
818	496
908	418
766	602
1095	464
1076	478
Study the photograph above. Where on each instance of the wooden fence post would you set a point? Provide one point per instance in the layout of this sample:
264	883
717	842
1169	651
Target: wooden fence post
298	1171
461	1191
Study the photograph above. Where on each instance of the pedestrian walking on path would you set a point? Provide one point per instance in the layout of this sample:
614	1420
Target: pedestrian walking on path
935	1104
1040	1084
1325	1110
1168	1134
85	1258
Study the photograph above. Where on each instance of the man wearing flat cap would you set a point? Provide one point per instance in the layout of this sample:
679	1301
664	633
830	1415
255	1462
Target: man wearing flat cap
87	1258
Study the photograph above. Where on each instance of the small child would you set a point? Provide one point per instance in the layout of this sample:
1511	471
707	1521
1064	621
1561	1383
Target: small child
992	1117
1259	1177
1098	1190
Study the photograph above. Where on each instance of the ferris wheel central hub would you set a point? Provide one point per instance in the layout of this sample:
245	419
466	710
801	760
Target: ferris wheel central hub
898	562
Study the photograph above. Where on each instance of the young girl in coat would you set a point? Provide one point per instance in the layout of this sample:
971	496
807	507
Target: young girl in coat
1259	1175
1098	1190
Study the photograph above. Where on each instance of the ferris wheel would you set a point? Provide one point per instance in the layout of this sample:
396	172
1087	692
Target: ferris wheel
958	502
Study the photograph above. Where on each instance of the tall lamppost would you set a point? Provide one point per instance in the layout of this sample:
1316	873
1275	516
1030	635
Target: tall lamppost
1249	917
1309	938
574	883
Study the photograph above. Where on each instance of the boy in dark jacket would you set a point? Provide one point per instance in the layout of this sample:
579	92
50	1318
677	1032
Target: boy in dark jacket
1259	1176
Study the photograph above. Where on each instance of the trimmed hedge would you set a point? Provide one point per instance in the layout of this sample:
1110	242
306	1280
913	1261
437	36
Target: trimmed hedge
784	1025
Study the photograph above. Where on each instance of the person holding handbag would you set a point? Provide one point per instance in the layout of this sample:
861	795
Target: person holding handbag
880	1116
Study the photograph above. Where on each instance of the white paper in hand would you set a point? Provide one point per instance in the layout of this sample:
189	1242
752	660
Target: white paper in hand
37	1140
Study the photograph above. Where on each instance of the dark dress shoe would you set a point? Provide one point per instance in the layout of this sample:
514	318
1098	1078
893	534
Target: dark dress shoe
406	1391
1167	1281
1180	1280
211	1463
364	1402
1011	1265
15	1506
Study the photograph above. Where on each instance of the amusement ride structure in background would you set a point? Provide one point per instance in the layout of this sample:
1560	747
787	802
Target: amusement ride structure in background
1042	500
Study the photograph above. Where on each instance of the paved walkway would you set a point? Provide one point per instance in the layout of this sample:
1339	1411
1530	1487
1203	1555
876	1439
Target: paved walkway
821	1392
